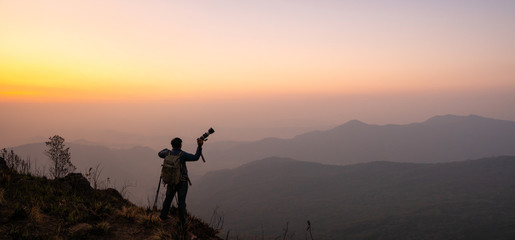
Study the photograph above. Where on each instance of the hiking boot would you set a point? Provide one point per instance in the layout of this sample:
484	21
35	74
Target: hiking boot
164	218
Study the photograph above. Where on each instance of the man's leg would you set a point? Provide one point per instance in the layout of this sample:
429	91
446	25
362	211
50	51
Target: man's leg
170	192
181	201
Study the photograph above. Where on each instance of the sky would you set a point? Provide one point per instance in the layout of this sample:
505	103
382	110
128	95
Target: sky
129	71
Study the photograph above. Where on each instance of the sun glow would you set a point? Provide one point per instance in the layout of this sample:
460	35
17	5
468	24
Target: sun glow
122	50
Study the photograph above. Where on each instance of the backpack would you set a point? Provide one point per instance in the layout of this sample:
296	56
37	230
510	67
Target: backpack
171	171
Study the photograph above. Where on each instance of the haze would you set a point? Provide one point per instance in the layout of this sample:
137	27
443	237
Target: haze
138	72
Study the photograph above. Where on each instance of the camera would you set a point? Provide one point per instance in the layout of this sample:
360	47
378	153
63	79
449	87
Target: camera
206	134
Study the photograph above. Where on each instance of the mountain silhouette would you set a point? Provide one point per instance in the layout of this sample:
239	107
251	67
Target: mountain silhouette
379	200
438	139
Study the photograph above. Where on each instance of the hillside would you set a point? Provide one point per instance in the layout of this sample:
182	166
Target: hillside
136	167
39	208
379	200
438	139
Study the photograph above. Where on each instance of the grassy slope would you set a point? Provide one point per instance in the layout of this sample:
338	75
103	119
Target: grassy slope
39	208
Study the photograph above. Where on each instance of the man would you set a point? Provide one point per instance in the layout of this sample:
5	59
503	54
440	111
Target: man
182	187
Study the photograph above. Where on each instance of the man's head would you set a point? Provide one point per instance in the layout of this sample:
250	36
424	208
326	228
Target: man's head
176	143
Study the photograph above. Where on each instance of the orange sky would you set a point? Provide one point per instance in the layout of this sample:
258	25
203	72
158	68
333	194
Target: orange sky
75	50
236	51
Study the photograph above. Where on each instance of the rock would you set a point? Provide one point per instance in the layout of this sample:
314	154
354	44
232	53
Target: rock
77	182
114	193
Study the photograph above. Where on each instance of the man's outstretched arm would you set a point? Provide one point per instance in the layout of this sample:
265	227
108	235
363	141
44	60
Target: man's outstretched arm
190	157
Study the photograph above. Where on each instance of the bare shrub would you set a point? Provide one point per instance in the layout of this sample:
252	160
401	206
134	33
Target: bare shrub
15	162
217	219
60	156
124	190
308	229
93	175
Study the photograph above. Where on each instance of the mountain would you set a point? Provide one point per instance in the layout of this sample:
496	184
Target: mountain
439	139
470	199
68	208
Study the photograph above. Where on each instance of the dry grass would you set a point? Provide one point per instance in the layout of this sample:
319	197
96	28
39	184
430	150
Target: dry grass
48	209
2	198
138	215
130	212
103	227
5	179
148	219
162	234
35	214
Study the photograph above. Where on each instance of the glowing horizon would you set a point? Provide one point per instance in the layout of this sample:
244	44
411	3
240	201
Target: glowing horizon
252	69
119	50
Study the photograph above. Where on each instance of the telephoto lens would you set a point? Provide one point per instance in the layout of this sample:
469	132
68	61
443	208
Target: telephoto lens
206	134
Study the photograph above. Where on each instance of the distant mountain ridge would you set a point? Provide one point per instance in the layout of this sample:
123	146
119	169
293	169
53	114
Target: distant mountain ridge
438	139
379	200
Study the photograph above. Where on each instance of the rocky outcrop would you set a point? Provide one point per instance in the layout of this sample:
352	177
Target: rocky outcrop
77	182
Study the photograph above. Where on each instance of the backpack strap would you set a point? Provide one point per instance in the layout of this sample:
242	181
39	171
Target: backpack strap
169	154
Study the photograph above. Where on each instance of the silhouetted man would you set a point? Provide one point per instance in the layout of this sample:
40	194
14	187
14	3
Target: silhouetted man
182	187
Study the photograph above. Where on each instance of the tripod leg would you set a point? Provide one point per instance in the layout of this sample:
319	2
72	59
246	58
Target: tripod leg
157	193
